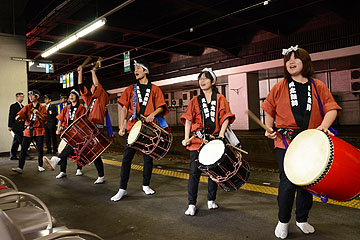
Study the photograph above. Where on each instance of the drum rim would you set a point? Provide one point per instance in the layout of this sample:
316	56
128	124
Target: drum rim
127	139
321	172
217	162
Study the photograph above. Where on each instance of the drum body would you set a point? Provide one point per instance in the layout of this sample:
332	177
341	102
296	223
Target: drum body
150	139
324	165
224	165
86	139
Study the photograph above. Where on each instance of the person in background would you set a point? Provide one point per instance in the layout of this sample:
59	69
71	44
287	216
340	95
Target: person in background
35	116
16	127
50	126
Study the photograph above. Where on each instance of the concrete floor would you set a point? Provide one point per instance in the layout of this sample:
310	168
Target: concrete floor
77	203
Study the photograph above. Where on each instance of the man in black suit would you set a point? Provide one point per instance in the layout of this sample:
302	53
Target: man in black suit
50	126
16	127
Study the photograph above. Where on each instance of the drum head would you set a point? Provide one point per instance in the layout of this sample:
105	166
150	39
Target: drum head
61	145
211	152
307	157
134	132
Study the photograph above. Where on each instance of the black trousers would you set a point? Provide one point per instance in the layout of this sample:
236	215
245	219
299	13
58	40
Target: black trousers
15	144
39	148
126	167
194	179
50	135
67	151
286	195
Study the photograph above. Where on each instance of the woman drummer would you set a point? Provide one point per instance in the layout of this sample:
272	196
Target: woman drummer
293	105
208	114
67	116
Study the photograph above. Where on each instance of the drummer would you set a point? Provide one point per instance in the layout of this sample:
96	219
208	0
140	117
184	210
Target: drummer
35	116
293	116
207	114
150	103
96	100
66	117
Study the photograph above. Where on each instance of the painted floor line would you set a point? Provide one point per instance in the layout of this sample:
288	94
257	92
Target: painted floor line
247	186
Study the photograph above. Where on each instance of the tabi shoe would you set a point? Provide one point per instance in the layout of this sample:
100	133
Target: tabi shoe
305	227
52	162
18	170
41	169
61	175
282	230
191	210
147	190
78	172
99	180
212	205
119	195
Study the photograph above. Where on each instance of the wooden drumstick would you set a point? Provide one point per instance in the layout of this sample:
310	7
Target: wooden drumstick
98	62
192	137
240	150
87	60
258	121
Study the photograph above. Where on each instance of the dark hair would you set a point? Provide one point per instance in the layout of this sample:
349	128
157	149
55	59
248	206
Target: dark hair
303	55
143	62
18	94
209	76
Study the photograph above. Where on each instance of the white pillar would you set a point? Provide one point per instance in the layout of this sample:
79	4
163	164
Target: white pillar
13	79
243	95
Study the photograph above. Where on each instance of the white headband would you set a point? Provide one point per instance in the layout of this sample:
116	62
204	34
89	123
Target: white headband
289	50
141	65
75	92
209	70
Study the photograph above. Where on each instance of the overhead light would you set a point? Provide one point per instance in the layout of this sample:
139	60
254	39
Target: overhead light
92	27
49	52
75	36
67	41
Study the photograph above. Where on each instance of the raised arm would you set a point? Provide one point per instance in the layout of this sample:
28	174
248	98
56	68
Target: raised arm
80	69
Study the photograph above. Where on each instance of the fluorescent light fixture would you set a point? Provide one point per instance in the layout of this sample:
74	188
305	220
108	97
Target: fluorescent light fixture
75	36
91	28
67	41
49	52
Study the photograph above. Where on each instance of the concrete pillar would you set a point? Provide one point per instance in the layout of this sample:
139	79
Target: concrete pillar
244	95
13	79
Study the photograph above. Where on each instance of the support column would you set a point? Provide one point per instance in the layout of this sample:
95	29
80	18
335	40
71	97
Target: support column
244	95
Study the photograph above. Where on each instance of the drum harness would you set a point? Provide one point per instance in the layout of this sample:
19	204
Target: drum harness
143	104
292	133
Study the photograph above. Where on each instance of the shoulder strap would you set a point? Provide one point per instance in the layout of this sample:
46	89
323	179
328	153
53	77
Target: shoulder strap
134	102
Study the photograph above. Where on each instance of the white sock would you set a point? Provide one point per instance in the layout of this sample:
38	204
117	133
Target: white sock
282	230
191	210
119	195
305	227
100	180
61	175
212	205
148	191
78	172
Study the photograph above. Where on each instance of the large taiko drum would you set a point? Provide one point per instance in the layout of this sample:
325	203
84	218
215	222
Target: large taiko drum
87	140
150	139
324	165
223	164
